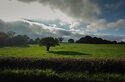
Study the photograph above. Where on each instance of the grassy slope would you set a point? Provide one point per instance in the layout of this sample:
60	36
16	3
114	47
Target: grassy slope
67	50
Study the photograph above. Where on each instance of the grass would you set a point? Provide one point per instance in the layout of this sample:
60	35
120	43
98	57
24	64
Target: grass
53	76
64	63
67	50
61	70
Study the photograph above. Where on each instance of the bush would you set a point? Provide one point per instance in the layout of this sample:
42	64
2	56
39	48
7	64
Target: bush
61	64
49	42
62	70
52	76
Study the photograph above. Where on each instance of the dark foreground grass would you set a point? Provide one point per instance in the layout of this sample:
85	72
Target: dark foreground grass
52	76
65	64
62	70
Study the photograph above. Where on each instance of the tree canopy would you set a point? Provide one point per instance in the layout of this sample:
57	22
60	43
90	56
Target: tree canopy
95	40
10	39
49	42
71	41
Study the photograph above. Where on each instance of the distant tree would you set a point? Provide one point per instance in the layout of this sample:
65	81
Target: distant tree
37	40
31	41
10	39
20	40
3	38
11	34
49	42
121	42
114	42
71	41
94	40
60	39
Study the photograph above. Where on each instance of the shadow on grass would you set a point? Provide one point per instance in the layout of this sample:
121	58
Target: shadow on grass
68	53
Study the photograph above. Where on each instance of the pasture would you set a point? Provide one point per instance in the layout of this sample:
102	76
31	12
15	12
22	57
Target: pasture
65	63
66	50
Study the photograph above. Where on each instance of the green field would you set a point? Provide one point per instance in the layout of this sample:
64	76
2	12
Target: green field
67	50
95	63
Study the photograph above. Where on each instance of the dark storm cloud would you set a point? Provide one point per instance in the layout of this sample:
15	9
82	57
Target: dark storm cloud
88	10
79	9
112	10
19	27
95	14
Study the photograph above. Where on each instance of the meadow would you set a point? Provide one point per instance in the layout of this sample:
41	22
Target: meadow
69	62
66	50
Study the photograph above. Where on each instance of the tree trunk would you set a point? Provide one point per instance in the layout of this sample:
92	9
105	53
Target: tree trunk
47	48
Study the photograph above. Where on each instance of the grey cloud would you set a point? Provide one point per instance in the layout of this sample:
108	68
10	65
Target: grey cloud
112	38
90	12
63	33
103	24
57	23
78	30
79	9
27	0
87	11
42	30
2	25
118	23
18	26
51	27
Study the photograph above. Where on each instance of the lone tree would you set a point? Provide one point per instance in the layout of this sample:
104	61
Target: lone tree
71	41
49	42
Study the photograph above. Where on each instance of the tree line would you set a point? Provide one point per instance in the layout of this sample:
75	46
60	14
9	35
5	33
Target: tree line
12	39
96	40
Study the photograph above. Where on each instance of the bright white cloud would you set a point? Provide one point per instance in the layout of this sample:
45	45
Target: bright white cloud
14	10
76	17
78	9
103	24
96	26
68	11
118	23
52	30
123	40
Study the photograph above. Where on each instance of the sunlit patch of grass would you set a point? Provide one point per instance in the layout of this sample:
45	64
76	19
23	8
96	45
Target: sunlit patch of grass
67	50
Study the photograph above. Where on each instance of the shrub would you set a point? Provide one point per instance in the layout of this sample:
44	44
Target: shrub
62	64
49	42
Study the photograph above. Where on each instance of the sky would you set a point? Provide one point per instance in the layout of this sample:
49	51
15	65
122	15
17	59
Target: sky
64	18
